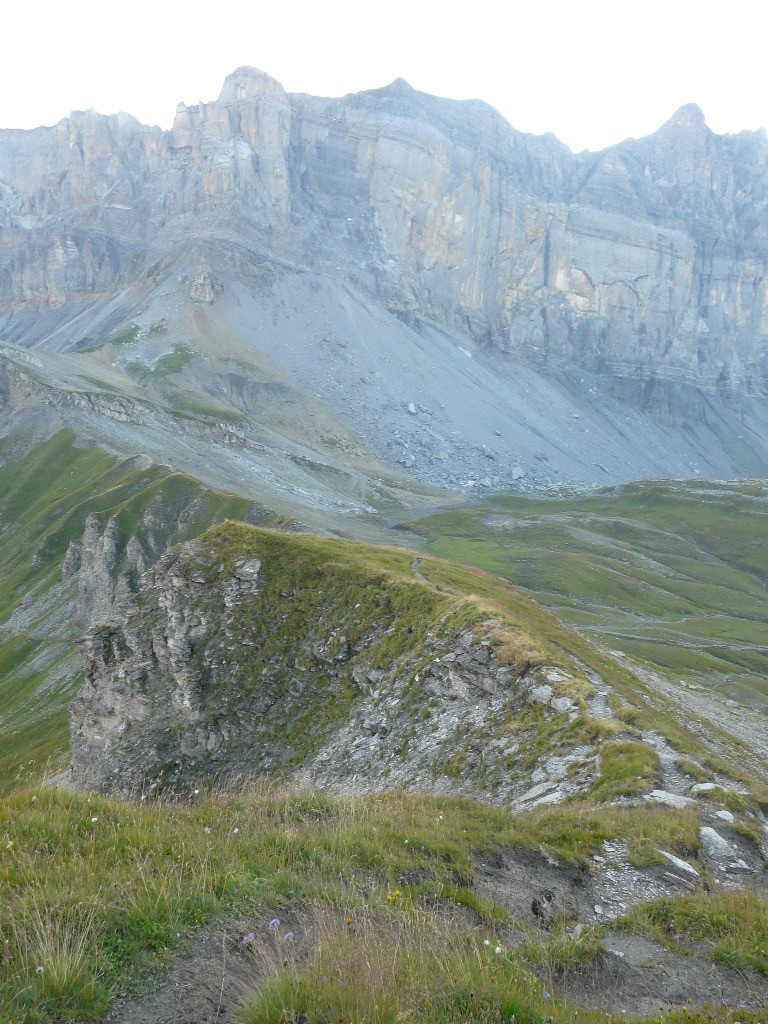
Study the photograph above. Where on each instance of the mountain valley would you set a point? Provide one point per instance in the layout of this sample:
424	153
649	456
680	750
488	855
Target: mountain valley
383	566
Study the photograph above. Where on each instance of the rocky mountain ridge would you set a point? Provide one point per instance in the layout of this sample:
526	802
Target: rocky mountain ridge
391	251
649	255
250	652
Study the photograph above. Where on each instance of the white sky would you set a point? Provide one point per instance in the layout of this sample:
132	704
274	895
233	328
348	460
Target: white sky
591	71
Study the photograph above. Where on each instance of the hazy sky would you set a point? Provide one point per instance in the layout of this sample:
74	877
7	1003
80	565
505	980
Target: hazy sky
593	72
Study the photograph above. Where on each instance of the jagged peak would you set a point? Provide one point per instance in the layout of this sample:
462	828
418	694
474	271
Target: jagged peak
246	82
400	85
690	115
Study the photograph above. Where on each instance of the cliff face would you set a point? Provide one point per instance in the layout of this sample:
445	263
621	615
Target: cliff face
646	262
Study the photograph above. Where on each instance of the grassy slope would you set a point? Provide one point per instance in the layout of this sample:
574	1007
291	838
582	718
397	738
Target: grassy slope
96	891
676	574
45	497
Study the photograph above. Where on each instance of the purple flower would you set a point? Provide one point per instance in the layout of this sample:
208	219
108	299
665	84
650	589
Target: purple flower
742	1003
248	939
274	924
569	930
546	995
287	936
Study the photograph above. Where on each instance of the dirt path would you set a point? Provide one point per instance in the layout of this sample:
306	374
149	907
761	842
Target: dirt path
415	563
635	976
213	973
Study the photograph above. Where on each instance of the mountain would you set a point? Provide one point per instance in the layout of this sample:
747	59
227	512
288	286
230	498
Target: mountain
332	303
322	317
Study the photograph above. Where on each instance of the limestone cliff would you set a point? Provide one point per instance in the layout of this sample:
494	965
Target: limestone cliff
646	261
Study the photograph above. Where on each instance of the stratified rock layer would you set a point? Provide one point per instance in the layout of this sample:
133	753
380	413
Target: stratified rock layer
646	261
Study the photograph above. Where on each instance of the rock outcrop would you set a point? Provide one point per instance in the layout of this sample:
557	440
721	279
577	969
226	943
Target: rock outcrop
112	556
247	653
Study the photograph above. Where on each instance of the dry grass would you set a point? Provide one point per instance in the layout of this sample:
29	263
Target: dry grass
379	968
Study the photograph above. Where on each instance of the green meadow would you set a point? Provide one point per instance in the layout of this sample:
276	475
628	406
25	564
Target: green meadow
673	574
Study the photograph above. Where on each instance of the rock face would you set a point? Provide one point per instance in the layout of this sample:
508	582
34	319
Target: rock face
645	263
109	563
111	557
238	660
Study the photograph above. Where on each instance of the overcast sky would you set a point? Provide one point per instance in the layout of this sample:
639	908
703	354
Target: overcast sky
593	72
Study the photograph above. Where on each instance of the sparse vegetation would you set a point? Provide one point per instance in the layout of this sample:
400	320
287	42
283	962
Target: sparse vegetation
125	336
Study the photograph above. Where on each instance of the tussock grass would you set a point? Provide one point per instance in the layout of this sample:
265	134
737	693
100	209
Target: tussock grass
372	968
559	951
55	968
626	769
381	969
734	926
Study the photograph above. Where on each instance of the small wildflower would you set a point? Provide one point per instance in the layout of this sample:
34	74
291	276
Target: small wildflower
288	936
439	817
33	799
248	939
569	930
407	841
235	831
206	830
38	970
486	942
197	792
274	924
94	820
397	892
498	951
389	896
742	1003
684	1009
348	920
546	995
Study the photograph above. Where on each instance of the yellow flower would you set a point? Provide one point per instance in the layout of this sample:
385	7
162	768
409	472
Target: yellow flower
389	897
